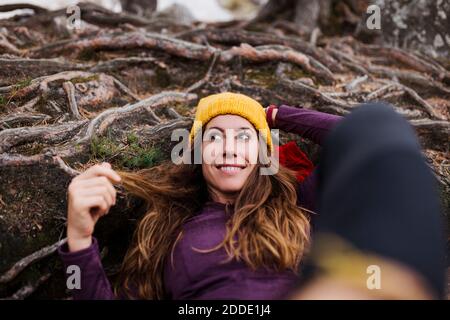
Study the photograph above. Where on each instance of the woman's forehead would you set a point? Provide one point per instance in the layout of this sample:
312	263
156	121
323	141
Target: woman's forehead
229	121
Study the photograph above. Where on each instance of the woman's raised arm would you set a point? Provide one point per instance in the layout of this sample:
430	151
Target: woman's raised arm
312	125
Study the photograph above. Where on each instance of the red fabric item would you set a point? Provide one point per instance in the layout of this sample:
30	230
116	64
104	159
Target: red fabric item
290	156
269	115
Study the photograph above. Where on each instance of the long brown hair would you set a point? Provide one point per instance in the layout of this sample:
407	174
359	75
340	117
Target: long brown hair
267	229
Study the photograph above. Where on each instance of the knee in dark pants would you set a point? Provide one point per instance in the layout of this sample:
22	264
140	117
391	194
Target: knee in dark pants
376	108
377	192
375	116
372	126
379	113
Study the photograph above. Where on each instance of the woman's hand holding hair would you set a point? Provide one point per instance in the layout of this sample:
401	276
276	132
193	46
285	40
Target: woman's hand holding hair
90	196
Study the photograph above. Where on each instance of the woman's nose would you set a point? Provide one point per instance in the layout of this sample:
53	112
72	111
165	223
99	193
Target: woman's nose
229	151
229	148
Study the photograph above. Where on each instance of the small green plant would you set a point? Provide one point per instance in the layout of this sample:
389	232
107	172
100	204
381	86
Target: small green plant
3	101
103	148
22	84
142	158
132	138
131	154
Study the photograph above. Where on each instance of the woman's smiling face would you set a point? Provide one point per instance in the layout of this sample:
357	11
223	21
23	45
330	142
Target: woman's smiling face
229	154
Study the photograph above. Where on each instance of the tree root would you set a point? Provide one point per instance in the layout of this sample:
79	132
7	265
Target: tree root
70	91
125	41
406	58
30	288
390	86
237	37
22	6
125	89
16	160
48	134
98	15
301	87
172	113
348	61
41	83
20	265
410	77
205	79
190	50
24	68
40	87
121	63
280	53
381	92
421	102
406	77
100	123
349	87
17	119
8	47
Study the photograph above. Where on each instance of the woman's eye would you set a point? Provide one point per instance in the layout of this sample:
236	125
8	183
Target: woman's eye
214	137
243	136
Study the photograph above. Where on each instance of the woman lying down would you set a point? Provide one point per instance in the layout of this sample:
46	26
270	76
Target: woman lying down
237	225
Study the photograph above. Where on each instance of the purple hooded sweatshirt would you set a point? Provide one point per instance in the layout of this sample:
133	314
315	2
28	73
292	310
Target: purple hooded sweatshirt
199	275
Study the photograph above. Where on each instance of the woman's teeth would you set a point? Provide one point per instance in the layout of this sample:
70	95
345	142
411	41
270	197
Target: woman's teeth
230	169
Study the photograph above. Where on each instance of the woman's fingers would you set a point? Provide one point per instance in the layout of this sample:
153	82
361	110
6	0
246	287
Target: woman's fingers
87	185
96	205
101	170
99	191
93	201
93	193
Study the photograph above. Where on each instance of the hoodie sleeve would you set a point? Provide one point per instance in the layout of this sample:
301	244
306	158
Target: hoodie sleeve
94	284
312	125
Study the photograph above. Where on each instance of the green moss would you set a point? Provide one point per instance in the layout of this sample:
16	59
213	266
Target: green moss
131	155
142	158
103	148
137	156
132	138
262	75
88	54
84	79
296	73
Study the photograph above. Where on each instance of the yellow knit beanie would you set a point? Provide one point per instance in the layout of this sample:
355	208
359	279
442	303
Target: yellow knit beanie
231	103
